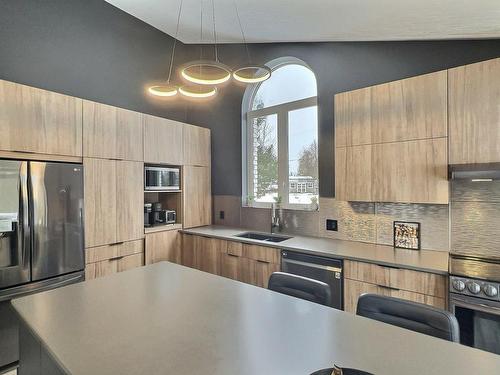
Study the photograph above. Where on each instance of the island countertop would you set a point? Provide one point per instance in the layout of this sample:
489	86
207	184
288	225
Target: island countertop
169	319
420	260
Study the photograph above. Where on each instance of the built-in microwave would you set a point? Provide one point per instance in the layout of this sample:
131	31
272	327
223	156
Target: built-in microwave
161	178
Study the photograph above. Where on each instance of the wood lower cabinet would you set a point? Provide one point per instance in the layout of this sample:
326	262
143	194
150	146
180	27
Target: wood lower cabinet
417	286
39	121
474	113
112	133
106	260
197	196
163	140
162	246
251	264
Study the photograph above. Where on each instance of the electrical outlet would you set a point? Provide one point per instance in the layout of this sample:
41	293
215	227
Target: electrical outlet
332	225
221	215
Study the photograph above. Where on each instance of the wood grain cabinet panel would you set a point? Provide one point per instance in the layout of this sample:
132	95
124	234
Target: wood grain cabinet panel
129	200
162	246
238	268
354	173
409	109
111	132
411	172
196	146
203	253
163	140
100	201
39	121
111	266
474	113
353	118
197	196
262	253
100	253
263	271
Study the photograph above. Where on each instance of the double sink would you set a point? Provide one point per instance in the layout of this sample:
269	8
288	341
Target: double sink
267	237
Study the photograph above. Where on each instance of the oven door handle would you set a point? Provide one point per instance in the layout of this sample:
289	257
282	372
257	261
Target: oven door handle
476	306
313	265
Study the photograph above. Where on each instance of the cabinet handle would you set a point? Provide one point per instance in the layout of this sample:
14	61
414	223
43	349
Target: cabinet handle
233	255
116	258
116	243
263	261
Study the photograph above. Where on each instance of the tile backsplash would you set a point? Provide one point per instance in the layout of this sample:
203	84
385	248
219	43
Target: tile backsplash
357	221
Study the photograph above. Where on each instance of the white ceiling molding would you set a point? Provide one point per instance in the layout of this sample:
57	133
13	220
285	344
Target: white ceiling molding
322	20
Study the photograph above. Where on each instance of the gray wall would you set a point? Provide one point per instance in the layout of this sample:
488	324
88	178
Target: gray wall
88	49
339	67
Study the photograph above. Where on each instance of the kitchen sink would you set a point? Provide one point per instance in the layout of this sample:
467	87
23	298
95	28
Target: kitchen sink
268	237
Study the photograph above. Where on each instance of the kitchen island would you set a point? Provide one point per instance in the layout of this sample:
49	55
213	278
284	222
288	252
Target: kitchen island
169	319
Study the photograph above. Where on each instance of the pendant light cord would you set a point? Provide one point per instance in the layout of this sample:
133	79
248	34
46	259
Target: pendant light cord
175	42
215	32
242	32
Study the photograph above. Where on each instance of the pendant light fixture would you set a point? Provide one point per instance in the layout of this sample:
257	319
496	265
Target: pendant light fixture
207	72
198	91
168	89
251	73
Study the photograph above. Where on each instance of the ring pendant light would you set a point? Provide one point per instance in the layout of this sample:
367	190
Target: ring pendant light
168	89
197	91
207	72
251	73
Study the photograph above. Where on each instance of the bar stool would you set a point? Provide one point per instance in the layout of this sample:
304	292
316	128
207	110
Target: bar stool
301	287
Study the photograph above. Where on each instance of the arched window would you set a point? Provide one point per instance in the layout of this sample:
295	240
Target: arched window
280	138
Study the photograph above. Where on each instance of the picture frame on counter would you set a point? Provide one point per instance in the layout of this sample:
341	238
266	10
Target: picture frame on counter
406	235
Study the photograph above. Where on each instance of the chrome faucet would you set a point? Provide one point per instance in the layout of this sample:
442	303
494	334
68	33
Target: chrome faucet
276	219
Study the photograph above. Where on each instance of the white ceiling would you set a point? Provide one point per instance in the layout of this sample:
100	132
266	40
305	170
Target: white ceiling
322	20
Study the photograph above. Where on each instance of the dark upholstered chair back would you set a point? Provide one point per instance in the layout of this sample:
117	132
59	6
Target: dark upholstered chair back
410	315
301	287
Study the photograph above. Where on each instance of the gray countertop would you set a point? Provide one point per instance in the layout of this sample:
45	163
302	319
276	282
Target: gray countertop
421	260
169	319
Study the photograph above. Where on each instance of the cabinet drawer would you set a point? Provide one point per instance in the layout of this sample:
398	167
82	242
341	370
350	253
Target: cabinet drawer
403	279
261	253
235	248
100	253
238	268
113	265
354	288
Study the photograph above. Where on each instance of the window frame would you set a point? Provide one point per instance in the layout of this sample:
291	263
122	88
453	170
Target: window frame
282	112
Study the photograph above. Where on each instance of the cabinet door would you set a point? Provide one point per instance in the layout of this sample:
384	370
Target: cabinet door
238	268
409	109
353	118
111	266
100	202
353	289
354	173
129	200
474	113
411	172
263	271
39	121
163	246
111	132
203	253
163	140
196	146
197	196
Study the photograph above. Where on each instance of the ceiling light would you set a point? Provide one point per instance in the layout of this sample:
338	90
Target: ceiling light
167	89
252	74
198	92
206	72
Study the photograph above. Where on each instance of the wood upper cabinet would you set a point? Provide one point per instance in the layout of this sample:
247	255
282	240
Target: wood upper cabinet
129	200
196	146
164	245
163	140
391	142
100	201
113	201
39	121
111	132
197	196
408	109
474	113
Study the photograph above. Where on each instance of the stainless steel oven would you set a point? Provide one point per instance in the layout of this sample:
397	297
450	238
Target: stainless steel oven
161	178
475	301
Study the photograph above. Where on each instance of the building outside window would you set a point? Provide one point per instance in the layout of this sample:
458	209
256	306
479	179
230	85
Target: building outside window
280	138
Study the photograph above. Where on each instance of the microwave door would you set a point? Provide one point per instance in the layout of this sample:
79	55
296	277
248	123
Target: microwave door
14	224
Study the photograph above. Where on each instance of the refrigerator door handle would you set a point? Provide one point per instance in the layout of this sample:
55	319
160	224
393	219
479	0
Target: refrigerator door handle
24	222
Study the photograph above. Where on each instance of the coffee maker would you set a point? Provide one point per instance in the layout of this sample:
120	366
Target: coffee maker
156	215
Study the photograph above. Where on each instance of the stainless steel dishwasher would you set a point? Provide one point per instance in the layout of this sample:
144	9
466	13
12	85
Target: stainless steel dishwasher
320	268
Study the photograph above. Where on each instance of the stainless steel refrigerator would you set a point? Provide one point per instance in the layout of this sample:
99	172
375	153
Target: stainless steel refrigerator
41	226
